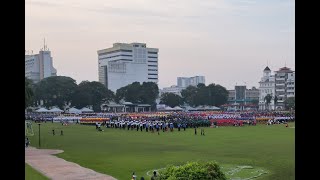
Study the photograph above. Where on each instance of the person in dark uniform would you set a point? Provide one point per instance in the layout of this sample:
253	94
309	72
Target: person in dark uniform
53	133
27	142
195	130
202	132
61	134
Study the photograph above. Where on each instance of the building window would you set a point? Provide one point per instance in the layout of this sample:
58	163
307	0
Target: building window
150	52
153	65
153	61
152	57
152	78
153	74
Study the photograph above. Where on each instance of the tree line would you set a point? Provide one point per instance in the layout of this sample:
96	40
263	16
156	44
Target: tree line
63	91
213	95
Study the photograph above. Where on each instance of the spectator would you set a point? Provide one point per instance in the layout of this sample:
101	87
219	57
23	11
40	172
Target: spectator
154	175
27	142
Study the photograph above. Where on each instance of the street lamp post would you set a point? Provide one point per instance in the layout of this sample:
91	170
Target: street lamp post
39	136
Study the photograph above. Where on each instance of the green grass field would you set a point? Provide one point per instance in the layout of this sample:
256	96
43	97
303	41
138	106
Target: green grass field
267	149
32	174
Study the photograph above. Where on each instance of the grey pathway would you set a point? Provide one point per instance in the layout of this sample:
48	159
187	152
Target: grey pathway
59	169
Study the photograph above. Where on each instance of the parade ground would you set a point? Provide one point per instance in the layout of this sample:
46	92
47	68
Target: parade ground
265	152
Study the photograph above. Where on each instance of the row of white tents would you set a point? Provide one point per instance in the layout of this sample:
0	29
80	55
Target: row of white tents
71	110
188	108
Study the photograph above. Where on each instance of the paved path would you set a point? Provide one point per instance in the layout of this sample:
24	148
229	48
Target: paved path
59	169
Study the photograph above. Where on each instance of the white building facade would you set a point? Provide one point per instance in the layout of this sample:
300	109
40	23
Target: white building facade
39	66
124	64
266	86
284	85
173	89
184	82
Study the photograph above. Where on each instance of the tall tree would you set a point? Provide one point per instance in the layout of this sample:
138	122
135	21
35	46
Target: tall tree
268	99
55	90
28	92
275	100
189	95
149	92
213	94
289	103
221	95
91	94
121	94
145	93
201	95
171	99
133	92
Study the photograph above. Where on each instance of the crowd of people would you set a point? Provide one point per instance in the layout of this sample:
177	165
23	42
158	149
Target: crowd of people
166	119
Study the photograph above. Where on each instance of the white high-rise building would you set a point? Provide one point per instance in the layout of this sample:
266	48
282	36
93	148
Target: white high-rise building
284	85
184	82
172	89
267	86
124	64
39	66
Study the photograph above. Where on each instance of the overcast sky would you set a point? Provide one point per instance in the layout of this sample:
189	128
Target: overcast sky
228	41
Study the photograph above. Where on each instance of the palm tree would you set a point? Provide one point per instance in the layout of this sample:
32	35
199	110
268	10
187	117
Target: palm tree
28	91
267	99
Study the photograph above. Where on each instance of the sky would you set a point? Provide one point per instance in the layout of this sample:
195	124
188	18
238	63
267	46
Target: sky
229	42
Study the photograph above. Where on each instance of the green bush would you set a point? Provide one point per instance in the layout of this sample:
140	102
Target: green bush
192	171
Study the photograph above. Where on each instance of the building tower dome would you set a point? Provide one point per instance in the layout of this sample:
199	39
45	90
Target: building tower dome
266	72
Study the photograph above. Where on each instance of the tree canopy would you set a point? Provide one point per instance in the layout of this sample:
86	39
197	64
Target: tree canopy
145	93
91	93
171	99
290	103
55	90
214	95
28	92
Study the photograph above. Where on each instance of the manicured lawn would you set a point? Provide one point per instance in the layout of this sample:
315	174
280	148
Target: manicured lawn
32	174
120	152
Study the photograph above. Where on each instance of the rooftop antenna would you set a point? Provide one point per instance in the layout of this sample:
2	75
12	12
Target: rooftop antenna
45	47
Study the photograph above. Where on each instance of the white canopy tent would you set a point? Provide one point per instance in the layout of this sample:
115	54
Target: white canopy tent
177	108
215	108
74	111
55	110
42	110
168	108
84	109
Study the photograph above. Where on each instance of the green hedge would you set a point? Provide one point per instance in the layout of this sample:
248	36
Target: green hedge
192	171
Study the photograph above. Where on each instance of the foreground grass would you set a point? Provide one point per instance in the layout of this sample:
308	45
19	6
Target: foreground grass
120	152
32	174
